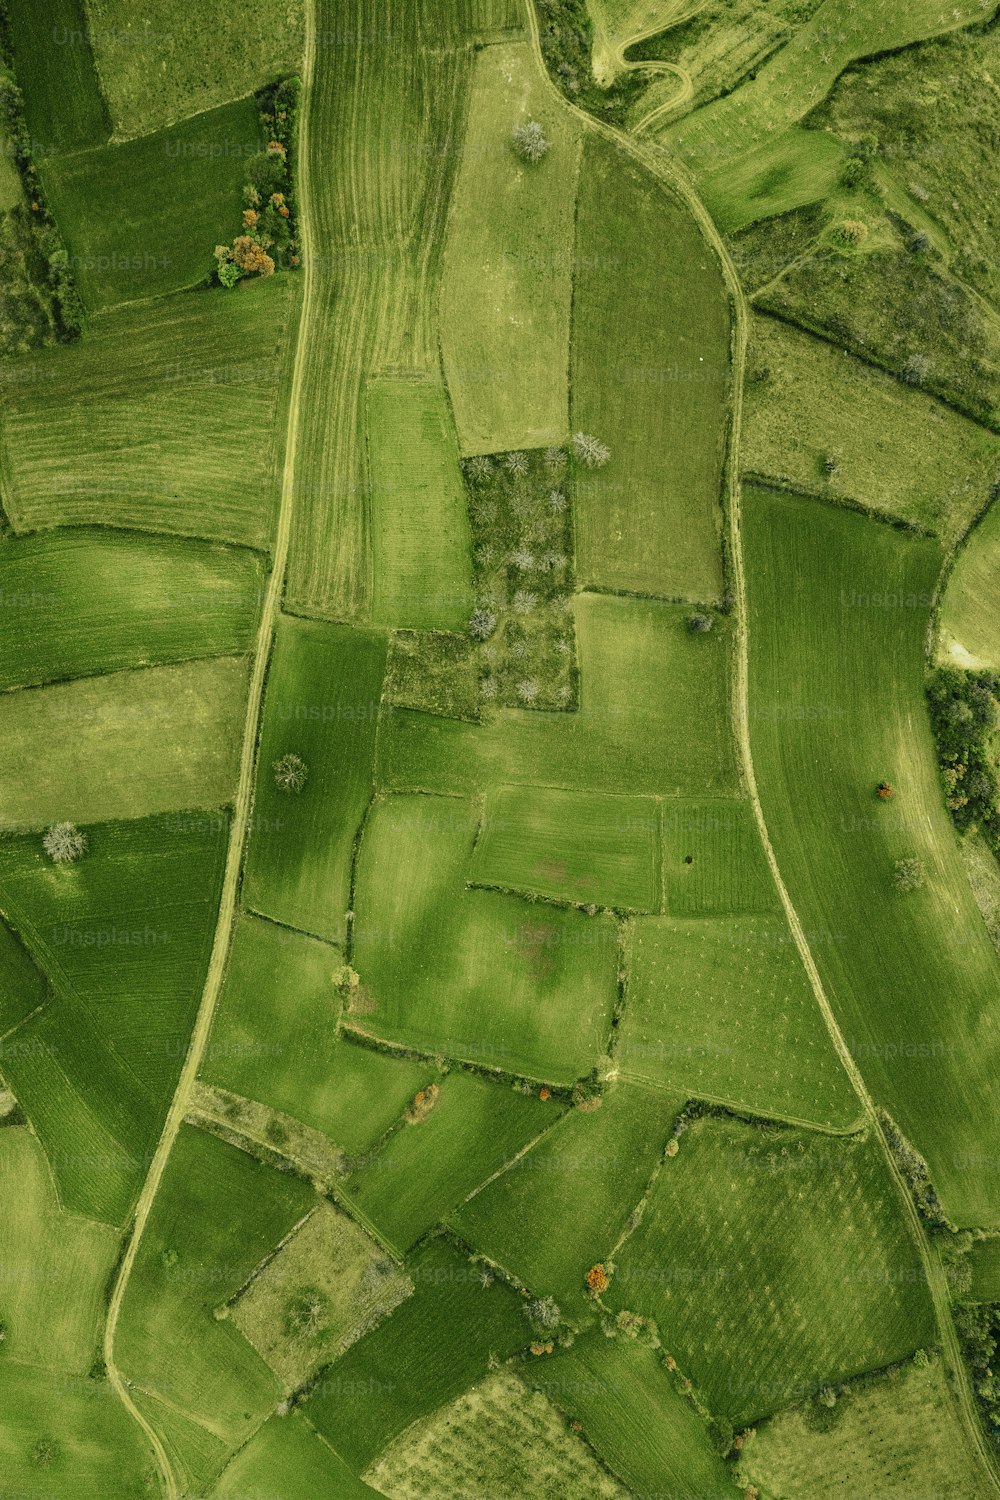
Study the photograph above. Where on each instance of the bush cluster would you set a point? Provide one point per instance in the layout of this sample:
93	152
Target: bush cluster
979	1330
267	237
963	708
567	43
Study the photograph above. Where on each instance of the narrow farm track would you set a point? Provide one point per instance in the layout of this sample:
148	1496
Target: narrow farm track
242	803
937	1284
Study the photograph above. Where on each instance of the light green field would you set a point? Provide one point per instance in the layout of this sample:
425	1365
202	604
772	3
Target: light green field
287	1457
650	377
196	1455
634	1416
84	601
421	566
652	718
722	1008
52	1266
985	1259
896	449
774	1262
838	610
166	417
506	288
790	169
423	1169
321	704
560	1208
713	860
969	620
572	846
63	104
123	746
142	218
173	61
477	975
896	1437
436	1344
500	1434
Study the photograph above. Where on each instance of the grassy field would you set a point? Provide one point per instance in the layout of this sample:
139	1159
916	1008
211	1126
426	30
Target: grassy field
571	846
321	704
420	529
196	1454
478	975
652	718
500	1434
86	601
173	61
145	422
633	1415
723	1008
142	218
838	608
649	376
894	1436
23	987
508	265
985	1258
774	1262
123	746
424	1168
559	1209
287	1457
713	860
969	621
63	104
809	406
53	1266
789	169
435	1345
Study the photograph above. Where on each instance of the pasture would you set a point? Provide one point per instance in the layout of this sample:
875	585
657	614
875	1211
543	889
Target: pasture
713	860
87	601
650	376
63	104
422	573
144	423
125	745
428	1165
587	848
837	618
287	1457
774	1262
969	619
722	1008
321	704
786	171
478	975
507	277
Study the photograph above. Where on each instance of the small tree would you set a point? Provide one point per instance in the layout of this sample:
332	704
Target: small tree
290	773
597	1280
64	843
886	791
555	458
700	624
545	1312
590	450
529	141
306	1314
916	369
482	624
517	463
909	875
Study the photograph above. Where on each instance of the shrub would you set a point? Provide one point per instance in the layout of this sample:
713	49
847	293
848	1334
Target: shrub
529	141
290	773
307	1313
909	875
854	172
700	624
851	232
64	843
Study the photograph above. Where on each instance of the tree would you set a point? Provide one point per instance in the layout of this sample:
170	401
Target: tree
555	458
597	1280
517	463
251	256
64	843
886	790
909	875
482	624
545	1312
852	232
700	624
478	467
529	141
916	369
290	773
229	273
590	450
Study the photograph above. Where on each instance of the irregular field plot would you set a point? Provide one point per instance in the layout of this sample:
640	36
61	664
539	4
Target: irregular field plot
426	1167
650	377
505	295
123	746
141	219
287	1457
970	608
63	104
144	423
895	448
713	860
196	1454
476	975
838	608
501	1435
23	987
422	572
791	168
723	1008
84	601
560	1208
323	690
774	1262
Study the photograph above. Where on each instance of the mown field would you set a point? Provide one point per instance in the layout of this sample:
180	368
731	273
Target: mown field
838	612
713	860
286	1454
969	619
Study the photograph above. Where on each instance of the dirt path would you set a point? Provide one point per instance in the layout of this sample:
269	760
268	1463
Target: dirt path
244	794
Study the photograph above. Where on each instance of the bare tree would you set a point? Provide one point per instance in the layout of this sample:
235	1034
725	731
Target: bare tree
517	463
529	141
482	624
64	843
290	773
590	450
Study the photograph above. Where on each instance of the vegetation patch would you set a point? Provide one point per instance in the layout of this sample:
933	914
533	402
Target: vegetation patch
434	671
969	616
63	104
963	708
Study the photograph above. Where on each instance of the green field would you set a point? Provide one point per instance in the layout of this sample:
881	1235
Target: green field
321	704
560	1208
478	975
790	169
195	1454
424	1168
85	601
713	860
649	376
142	218
774	1262
890	446
145	422
63	104
571	846
505	292
723	1008
838	610
23	987
985	1258
420	530
123	746
287	1457
172	61
969	621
